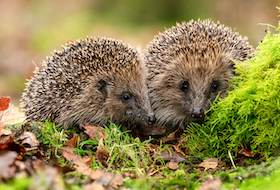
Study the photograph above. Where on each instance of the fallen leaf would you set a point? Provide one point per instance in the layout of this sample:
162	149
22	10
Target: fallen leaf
95	132
157	175
86	170
38	165
173	157
209	163
67	150
130	175
5	132
110	179
172	138
4	141
48	178
173	165
28	139
106	179
11	116
247	152
68	153
154	129
7	143
22	166
7	159
95	186
4	103
211	184
88	160
102	154
72	142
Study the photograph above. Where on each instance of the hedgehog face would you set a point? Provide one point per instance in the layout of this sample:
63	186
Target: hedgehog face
188	85
127	100
189	64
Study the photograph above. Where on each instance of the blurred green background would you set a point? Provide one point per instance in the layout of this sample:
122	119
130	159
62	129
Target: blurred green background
31	29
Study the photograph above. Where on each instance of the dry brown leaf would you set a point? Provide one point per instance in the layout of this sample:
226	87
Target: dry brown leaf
68	153
173	157
38	164
154	129
85	170
247	152
211	184
102	154
157	175
111	179
172	138
88	160
11	116
22	166
95	132
94	186
28	138
4	103
173	165
209	163
7	143
130	175
5	140
48	178
106	179
72	142
5	132
7	160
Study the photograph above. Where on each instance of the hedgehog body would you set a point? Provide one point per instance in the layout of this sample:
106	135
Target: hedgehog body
189	65
90	81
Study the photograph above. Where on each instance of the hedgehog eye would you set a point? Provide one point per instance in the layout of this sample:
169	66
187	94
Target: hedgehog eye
125	96
185	86
214	86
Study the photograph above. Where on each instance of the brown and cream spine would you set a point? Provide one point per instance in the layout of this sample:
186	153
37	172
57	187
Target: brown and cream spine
92	81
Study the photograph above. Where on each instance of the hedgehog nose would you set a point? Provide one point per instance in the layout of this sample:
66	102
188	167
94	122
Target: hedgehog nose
151	119
198	113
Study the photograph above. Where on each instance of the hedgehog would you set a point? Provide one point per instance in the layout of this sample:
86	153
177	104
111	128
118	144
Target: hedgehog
90	81
189	65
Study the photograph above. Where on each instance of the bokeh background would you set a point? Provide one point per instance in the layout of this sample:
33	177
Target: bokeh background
31	29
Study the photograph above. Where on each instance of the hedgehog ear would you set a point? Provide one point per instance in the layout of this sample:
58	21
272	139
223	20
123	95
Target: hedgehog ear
102	87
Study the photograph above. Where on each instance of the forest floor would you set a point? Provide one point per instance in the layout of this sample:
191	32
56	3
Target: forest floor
43	156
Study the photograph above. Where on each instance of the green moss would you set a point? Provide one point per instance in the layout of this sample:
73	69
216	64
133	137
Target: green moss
20	183
250	114
272	182
257	177
249	117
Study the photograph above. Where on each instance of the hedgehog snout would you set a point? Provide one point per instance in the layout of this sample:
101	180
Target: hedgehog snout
197	113
151	119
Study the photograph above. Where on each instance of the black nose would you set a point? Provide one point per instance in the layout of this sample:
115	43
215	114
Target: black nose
151	119
197	113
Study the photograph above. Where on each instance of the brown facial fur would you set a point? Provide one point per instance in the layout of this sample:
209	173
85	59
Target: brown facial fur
101	108
189	65
86	82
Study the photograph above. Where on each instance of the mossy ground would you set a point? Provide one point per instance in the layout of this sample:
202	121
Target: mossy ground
131	156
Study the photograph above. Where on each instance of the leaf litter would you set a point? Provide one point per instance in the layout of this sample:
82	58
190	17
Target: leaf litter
23	154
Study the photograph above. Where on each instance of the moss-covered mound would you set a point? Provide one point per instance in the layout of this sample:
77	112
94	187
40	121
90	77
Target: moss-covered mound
249	117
